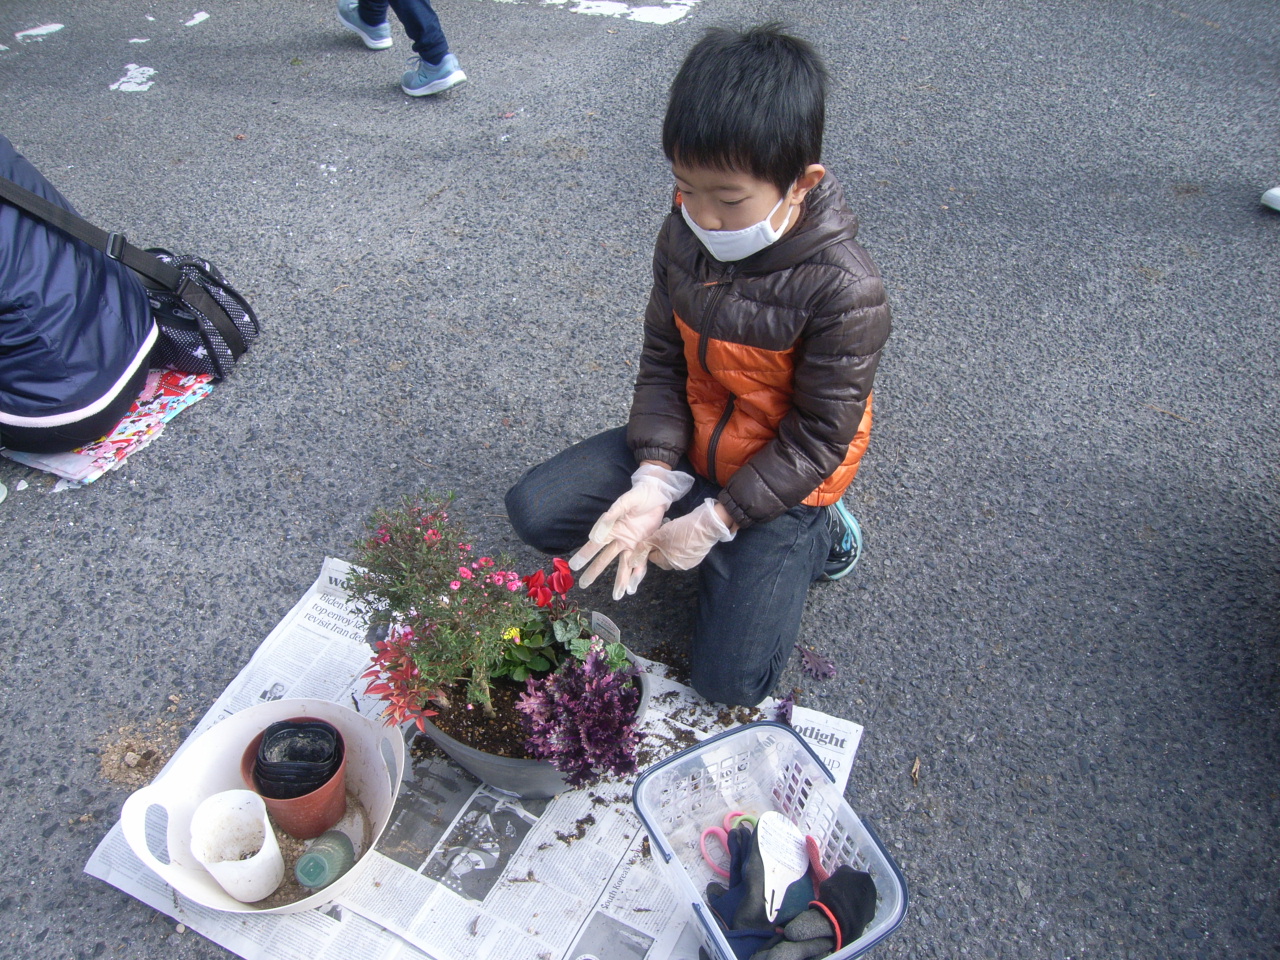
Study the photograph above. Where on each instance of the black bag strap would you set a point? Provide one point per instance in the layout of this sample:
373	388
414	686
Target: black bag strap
198	298
114	245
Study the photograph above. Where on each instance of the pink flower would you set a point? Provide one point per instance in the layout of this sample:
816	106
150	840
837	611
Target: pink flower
454	585
485	562
464	573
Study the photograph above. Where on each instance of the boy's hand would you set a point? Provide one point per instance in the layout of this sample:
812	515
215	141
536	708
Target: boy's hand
683	543
631	520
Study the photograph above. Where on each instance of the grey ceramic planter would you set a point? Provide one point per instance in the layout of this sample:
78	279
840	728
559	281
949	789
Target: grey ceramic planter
528	779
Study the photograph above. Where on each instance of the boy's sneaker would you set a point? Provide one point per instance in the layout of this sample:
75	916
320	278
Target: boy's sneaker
846	542
427	78
375	38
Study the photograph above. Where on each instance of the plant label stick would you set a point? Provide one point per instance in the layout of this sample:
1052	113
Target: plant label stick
783	853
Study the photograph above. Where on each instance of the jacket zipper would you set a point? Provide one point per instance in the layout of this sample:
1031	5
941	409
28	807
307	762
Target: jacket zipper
720	286
714	442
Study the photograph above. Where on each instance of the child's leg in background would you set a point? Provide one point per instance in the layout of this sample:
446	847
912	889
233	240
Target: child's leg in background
420	23
750	600
553	507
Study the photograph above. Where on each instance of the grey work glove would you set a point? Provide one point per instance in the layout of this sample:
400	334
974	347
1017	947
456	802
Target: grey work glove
846	904
630	521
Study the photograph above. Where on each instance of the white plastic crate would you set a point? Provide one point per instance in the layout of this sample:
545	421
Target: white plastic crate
756	768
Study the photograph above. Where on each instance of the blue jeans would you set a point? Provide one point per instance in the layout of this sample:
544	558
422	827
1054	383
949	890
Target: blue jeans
751	590
420	23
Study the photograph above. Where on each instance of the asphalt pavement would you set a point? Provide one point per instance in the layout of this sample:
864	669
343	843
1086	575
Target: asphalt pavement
1067	611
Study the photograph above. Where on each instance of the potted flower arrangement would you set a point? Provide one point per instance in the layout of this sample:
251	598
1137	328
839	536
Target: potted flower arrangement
470	642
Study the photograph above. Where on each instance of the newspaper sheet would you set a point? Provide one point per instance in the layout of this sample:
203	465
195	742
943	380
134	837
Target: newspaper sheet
463	872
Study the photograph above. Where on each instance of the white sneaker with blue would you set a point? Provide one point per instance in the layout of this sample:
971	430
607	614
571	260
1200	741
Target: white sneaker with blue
375	38
428	78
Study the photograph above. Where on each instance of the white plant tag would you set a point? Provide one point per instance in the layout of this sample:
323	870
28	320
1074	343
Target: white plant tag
782	851
604	628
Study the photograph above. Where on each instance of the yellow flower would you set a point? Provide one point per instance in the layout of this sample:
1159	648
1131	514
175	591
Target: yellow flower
512	634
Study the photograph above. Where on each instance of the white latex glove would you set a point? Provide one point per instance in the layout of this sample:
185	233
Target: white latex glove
633	517
684	542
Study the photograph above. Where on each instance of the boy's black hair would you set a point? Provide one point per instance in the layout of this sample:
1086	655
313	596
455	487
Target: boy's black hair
753	101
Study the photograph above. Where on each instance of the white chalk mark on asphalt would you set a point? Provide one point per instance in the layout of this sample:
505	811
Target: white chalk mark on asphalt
668	11
200	17
136	79
36	34
664	14
140	40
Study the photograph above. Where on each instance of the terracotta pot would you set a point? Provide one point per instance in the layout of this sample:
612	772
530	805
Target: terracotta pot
528	779
308	816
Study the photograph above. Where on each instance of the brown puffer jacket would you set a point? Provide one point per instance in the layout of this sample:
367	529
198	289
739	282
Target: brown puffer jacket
761	370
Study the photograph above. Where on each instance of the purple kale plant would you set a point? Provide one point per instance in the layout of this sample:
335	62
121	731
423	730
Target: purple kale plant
815	664
583	718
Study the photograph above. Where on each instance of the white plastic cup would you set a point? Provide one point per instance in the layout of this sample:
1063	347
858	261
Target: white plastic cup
232	838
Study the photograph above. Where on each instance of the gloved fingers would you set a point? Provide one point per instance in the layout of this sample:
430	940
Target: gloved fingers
850	897
602	529
809	925
584	555
631	530
600	563
741	842
639	567
752	912
632	565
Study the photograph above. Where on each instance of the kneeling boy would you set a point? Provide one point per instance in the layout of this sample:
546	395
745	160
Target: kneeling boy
752	406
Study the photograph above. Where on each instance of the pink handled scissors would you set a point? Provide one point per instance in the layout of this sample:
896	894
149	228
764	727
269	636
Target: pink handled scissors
731	820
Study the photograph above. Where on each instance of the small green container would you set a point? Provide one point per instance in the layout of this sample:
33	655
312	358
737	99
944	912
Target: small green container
329	857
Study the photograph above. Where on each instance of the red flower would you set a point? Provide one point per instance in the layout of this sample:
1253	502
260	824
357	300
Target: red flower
537	584
561	577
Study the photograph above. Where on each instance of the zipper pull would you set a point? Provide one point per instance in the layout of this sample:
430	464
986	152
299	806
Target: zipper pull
725	278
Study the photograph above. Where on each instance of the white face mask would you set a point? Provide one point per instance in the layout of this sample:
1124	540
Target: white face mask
730	245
